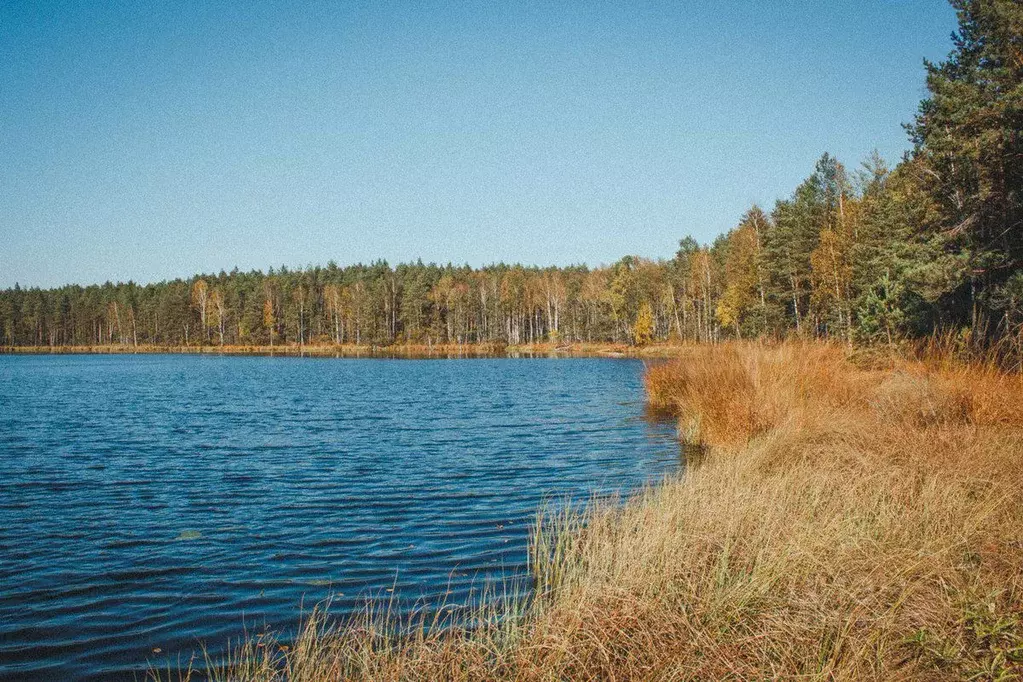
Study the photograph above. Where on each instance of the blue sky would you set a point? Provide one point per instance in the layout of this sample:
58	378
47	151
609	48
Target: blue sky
154	142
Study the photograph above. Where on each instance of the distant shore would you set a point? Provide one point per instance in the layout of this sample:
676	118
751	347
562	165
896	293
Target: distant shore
471	350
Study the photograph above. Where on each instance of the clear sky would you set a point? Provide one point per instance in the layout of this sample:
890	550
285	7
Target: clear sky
154	140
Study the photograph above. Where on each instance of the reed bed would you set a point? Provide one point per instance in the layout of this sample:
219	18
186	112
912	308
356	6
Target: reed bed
849	520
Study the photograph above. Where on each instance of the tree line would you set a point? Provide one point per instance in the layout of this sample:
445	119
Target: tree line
873	254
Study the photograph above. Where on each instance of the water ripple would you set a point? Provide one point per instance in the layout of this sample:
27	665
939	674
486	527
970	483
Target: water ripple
162	501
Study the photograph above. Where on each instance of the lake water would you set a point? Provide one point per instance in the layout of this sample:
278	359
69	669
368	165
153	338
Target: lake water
162	501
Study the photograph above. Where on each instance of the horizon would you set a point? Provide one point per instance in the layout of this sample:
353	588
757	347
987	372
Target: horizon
152	146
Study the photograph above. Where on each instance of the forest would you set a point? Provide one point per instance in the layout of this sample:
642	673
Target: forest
868	254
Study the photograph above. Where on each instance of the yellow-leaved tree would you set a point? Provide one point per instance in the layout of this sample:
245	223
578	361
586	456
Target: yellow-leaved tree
743	291
643	330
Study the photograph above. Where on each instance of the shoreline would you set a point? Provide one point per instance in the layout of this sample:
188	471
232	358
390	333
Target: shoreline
409	351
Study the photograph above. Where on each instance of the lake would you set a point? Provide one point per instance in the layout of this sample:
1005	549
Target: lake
159	501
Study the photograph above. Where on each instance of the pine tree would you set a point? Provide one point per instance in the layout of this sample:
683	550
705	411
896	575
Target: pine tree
969	138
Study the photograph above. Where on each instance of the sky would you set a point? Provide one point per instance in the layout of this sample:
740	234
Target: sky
148	141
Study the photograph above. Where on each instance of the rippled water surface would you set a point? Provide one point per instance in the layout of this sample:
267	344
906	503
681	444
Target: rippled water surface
155	502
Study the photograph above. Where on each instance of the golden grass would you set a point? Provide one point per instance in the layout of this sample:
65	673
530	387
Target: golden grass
847	522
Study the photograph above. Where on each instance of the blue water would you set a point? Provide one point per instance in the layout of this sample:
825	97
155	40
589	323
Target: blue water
157	502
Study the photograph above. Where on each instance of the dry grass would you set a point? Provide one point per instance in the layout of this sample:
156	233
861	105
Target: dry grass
847	522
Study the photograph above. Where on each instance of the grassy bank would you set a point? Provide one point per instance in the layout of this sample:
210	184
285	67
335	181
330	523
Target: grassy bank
849	519
332	350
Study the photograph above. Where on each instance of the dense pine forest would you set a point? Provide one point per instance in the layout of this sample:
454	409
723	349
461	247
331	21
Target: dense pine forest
870	253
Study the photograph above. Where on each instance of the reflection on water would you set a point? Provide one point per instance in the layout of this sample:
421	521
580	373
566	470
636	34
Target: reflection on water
158	501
